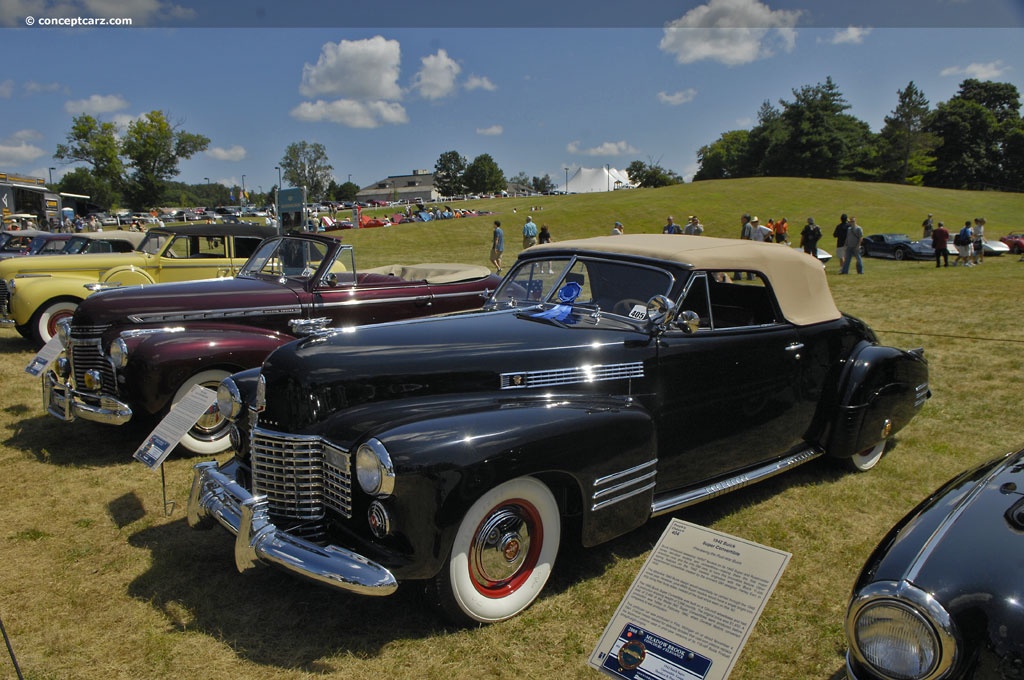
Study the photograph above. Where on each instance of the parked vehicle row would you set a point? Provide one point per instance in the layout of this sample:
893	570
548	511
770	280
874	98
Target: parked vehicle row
902	247
379	439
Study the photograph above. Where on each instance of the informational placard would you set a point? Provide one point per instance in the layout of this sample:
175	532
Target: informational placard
174	425
45	357
692	607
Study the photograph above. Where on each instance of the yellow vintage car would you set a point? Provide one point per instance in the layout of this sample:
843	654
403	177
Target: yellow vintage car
37	293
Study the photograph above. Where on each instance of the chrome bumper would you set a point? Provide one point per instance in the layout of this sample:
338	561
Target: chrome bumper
7	321
217	496
63	402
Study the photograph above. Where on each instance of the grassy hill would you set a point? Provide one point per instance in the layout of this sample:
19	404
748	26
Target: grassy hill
719	204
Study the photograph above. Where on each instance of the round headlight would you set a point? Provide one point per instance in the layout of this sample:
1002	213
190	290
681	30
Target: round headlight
229	399
374	470
119	353
897	641
64	332
901	632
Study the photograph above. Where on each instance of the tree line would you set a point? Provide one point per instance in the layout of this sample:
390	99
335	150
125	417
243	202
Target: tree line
973	141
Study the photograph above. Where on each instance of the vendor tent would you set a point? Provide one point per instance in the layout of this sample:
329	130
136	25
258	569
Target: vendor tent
589	180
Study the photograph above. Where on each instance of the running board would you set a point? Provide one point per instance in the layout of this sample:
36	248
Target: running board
671	504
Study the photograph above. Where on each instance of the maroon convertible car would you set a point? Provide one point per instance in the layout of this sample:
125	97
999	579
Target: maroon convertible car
136	350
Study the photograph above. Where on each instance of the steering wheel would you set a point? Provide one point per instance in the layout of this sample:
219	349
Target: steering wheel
625	306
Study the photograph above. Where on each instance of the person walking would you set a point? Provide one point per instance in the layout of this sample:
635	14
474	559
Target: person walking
782	231
840	233
497	246
926	227
671	227
940	240
964	247
809	237
979	240
529	233
854	235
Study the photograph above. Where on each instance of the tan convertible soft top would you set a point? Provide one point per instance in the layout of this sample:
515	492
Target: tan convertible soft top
798	280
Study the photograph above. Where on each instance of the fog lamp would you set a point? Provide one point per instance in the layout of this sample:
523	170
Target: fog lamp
92	380
64	332
119	353
229	399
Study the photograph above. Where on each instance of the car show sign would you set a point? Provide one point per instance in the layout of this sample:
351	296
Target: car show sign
169	431
692	607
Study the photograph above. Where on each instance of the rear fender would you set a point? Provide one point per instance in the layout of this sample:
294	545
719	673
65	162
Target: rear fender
126	276
881	390
159	363
598	457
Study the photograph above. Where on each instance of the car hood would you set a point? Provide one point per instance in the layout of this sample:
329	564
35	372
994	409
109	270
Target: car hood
58	264
169	302
311	378
965	545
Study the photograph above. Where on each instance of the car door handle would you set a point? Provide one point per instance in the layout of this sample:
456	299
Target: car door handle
423	301
794	346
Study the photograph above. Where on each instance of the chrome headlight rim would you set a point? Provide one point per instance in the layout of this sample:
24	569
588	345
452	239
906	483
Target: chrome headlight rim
64	332
119	353
229	399
374	470
920	606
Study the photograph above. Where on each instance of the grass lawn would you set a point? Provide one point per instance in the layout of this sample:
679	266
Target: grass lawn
103	580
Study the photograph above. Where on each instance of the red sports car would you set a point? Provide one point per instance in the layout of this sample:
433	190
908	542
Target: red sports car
1015	242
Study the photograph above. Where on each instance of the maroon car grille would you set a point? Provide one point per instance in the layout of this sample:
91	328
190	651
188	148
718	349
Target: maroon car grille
302	477
86	353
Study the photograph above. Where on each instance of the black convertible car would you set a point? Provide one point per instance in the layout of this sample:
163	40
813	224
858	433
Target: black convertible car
943	594
607	381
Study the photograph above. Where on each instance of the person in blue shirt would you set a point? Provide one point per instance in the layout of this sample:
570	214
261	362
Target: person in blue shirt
497	246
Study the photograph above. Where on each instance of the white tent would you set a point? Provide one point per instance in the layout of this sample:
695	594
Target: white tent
589	180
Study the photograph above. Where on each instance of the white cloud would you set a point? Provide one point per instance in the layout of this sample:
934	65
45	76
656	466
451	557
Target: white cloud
32	87
993	69
677	98
6	89
491	131
852	35
480	83
234	154
437	77
604	149
361	70
351	113
96	104
732	32
16	150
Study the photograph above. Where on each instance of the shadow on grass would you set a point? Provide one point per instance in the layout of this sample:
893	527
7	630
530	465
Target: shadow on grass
12	343
77	443
267	616
273	618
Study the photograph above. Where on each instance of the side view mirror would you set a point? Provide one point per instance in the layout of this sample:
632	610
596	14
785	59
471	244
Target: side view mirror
331	280
661	312
688	321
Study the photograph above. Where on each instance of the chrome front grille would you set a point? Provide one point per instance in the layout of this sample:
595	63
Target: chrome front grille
302	477
5	298
86	353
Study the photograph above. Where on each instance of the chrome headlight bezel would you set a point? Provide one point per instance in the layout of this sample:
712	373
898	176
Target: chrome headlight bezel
229	399
119	353
917	622
64	332
374	470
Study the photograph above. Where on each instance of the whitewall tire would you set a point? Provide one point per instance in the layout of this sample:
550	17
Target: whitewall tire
209	436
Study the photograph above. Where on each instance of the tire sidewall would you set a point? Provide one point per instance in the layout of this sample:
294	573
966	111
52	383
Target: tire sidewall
477	606
46	316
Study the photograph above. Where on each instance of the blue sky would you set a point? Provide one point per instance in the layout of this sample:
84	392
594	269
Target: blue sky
539	86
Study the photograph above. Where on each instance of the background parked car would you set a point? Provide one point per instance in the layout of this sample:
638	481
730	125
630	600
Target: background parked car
896	247
132	352
942	594
31	242
1015	242
37	293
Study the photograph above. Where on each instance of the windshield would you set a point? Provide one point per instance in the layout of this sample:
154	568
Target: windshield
620	288
296	257
154	242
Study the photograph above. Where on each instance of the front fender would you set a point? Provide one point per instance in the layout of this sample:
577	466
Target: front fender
32	292
597	456
881	390
159	363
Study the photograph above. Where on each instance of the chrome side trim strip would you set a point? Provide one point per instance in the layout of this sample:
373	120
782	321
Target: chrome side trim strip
570	376
671	504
